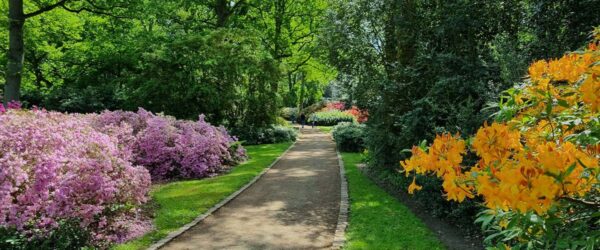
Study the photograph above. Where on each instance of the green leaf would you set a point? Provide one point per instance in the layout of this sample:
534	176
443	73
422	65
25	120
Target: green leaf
563	103
569	170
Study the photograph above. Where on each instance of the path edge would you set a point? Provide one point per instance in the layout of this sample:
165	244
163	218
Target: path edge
339	239
216	207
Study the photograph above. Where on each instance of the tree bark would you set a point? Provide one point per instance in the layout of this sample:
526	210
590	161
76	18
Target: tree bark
278	16
16	52
222	11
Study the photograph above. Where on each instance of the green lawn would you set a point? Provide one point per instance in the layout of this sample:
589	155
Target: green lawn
378	220
181	202
325	129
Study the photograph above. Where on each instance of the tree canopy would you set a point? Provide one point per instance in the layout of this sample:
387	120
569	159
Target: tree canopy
235	61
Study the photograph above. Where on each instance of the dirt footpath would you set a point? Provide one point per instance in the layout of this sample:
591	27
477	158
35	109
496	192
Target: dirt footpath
294	205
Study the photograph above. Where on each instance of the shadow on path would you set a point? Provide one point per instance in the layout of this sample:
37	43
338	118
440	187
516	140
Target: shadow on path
294	205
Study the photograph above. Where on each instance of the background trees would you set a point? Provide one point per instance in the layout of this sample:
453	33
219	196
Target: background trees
181	57
19	12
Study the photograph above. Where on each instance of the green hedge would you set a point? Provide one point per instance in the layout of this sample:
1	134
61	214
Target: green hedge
330	118
273	134
349	137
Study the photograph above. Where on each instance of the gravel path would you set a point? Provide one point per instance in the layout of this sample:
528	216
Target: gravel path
294	205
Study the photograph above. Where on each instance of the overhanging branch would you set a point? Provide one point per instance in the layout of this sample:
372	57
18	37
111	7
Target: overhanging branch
46	8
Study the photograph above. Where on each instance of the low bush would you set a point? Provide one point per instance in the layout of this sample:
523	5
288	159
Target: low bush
173	149
349	137
282	122
330	118
316	107
284	134
289	113
63	179
273	134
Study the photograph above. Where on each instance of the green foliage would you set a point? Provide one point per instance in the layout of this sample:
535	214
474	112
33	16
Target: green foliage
291	29
505	227
179	203
349	136
280	121
265	135
313	108
230	64
330	118
68	235
289	114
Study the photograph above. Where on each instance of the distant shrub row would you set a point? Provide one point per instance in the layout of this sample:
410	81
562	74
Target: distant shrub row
273	134
330	118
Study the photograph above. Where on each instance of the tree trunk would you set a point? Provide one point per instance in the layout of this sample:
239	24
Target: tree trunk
278	16
222	11
14	71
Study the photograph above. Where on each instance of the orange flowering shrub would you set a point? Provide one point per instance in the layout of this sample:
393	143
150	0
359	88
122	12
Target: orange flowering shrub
538	160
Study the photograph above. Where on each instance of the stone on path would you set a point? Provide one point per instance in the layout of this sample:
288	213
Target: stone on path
294	205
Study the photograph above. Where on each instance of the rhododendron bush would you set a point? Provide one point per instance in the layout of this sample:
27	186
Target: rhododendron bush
174	149
57	168
538	170
93	171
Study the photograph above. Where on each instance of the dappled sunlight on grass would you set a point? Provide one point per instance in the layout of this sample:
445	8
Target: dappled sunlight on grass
181	202
325	129
378	220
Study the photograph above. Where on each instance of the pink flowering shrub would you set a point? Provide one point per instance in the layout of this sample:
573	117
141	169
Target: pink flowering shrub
57	168
174	149
10	105
336	106
14	105
203	148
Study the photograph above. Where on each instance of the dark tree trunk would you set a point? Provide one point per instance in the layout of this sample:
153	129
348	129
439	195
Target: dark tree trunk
279	15
222	10
14	71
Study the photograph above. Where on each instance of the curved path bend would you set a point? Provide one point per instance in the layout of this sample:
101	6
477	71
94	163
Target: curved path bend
294	205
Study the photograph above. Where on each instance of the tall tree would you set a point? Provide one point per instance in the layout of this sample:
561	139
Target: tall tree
291	29
15	54
16	23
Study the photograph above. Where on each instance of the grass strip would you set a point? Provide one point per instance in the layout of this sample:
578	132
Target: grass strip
325	129
181	202
378	220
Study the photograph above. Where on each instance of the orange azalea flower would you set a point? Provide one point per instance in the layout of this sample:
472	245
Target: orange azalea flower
538	69
413	186
591	92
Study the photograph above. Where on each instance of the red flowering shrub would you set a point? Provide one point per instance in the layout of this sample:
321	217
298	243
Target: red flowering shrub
360	115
